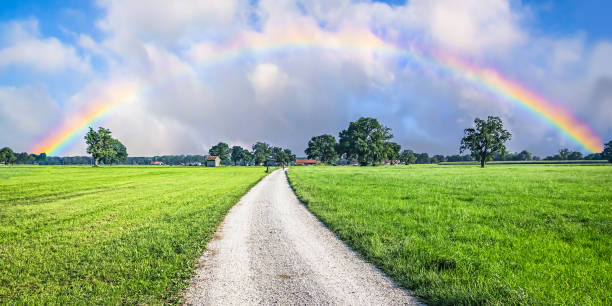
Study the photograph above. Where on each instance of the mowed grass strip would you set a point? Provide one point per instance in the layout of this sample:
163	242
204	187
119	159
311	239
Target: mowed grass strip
131	235
464	235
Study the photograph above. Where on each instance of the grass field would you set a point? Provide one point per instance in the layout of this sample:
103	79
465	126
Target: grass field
537	234
131	235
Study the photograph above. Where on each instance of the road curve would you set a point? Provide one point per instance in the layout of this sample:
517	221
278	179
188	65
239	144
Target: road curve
271	250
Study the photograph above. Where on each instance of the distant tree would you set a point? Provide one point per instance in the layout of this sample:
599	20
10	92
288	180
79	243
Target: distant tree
118	154
365	139
7	156
99	144
247	157
23	158
535	158
261	151
607	152
322	148
564	154
222	150
594	156
237	154
524	155
485	139
422	158
554	157
282	156
407	157
575	155
437	159
392	151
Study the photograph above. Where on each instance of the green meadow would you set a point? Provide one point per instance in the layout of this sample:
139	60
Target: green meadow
109	235
505	234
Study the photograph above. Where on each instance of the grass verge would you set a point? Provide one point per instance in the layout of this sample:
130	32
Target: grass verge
539	234
109	235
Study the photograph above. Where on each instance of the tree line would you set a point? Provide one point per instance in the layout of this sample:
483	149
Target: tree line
368	142
260	153
365	141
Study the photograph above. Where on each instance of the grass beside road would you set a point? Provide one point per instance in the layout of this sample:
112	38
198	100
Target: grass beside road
538	234
109	235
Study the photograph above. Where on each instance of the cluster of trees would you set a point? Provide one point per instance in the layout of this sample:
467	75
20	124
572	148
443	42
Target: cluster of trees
8	156
368	141
105	148
365	140
168	160
260	153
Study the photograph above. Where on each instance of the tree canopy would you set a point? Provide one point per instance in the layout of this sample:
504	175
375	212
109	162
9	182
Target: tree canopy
365	140
407	157
485	139
322	148
607	152
99	144
237	154
261	151
222	150
7	156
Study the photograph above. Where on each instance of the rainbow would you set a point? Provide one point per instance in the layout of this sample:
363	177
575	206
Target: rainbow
353	41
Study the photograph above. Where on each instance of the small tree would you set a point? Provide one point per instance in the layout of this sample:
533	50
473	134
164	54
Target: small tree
607	152
564	153
99	144
237	154
407	157
485	139
323	148
392	151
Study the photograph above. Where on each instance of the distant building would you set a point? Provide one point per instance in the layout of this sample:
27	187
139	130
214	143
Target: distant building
305	162
213	161
157	163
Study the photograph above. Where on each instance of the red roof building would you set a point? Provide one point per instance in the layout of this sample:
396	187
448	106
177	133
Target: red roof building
157	163
305	162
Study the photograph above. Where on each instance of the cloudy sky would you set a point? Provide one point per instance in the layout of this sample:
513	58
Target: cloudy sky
180	76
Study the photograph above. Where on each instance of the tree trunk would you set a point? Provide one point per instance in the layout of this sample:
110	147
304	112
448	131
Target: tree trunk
482	162
95	161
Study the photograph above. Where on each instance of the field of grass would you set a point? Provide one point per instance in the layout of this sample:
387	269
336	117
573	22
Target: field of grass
529	162
538	234
130	235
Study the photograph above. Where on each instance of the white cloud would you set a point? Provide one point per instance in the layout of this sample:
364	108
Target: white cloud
195	86
23	47
24	113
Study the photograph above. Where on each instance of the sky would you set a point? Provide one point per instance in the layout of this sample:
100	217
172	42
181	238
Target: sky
170	77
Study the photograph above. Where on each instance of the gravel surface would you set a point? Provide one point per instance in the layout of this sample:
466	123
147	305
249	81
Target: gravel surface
271	250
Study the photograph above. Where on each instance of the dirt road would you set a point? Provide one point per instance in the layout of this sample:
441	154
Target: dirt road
271	250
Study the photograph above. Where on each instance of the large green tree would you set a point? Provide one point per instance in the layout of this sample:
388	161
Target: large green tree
237	154
99	144
261	151
323	148
365	140
222	150
607	152
119	154
7	156
485	139
407	157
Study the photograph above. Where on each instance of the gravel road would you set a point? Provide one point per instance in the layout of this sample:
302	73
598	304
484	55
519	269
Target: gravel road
271	250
